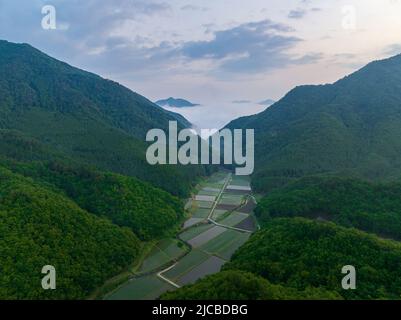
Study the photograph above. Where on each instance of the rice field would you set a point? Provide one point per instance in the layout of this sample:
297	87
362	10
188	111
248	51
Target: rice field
193	232
206	236
203	198
247	224
210	266
186	264
218	213
204	204
226	244
231	200
191	222
163	252
143	288
212	245
233	219
201	213
204	192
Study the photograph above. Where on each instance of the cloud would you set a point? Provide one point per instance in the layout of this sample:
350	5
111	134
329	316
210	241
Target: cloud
252	47
190	7
296	14
241	101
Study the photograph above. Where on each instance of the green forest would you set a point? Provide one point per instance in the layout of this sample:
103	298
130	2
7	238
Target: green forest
39	227
76	191
373	207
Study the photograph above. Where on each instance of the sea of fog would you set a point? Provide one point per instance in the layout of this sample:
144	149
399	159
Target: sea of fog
216	116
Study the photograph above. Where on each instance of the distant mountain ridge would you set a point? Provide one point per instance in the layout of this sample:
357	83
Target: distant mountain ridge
267	102
176	103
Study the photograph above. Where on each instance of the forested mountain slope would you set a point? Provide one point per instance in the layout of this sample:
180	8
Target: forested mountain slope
350	128
40	227
372	207
84	116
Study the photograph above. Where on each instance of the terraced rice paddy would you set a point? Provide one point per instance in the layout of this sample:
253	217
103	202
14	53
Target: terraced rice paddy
220	223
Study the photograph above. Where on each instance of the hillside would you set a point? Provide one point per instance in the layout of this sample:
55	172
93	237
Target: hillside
40	227
128	202
375	208
297	258
350	128
72	177
84	116
239	285
85	222
299	253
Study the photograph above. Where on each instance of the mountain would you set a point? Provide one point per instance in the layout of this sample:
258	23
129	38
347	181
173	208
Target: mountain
267	102
76	191
297	258
350	128
300	254
240	285
371	207
40	226
89	224
176	103
181	119
83	116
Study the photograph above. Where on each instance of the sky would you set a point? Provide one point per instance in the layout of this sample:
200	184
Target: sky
226	55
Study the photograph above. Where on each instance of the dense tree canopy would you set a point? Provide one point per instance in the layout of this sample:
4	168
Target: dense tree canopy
150	212
239	285
300	253
349	202
39	227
